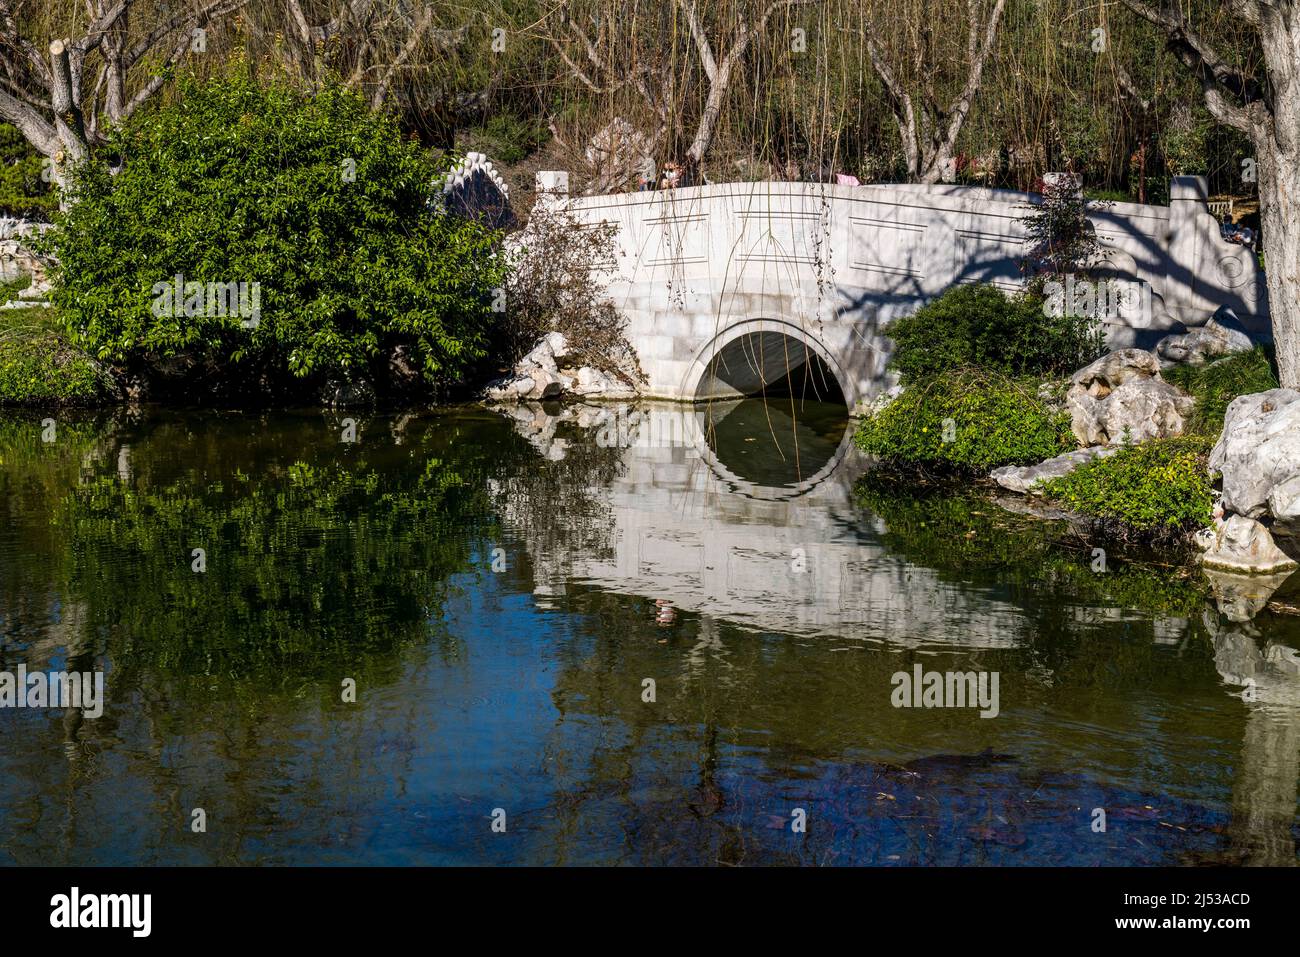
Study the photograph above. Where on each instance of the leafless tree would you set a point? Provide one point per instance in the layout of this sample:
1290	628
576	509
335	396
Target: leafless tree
1267	109
600	51
367	43
62	93
929	123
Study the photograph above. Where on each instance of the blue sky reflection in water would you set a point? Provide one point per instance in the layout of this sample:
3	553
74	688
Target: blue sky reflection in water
663	548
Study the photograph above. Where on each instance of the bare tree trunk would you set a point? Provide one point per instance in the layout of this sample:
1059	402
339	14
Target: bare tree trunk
929	134
1278	146
1279	206
48	99
68	122
720	74
114	51
1270	115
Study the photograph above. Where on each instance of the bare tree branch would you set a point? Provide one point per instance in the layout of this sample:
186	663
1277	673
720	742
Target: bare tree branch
1232	97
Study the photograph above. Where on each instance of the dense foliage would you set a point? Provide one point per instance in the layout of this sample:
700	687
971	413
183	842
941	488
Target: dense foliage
981	326
965	421
315	203
1158	488
318	552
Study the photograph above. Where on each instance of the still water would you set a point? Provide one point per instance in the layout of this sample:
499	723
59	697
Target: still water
502	589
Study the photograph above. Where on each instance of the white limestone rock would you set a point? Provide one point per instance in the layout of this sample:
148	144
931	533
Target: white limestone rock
883	400
507	389
589	381
1242	545
1023	478
546	385
620	154
1121	397
1201	344
1258	455
538	375
1284	499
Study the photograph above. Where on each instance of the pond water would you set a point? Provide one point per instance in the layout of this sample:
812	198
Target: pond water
501	588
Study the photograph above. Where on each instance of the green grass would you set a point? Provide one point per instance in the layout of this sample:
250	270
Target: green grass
1158	489
39	368
1216	384
10	290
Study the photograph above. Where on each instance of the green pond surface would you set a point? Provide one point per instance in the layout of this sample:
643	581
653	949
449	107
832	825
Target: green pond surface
502	589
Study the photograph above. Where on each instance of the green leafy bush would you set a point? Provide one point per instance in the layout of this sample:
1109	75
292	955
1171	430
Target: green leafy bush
980	326
1156	489
39	368
966	421
1061	238
316	203
1217	383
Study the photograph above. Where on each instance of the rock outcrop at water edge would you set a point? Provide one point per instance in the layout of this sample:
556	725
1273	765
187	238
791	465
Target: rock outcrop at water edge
540	375
1122	398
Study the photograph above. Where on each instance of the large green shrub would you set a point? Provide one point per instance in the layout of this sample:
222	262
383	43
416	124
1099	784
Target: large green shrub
966	421
983	327
317	200
1158	488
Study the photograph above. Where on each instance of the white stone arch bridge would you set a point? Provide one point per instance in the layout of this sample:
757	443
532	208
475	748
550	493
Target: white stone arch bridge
728	289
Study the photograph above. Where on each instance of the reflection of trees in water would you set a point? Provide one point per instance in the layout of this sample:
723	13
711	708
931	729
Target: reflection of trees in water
324	560
34	476
968	535
962	531
556	500
316	550
328	559
1044	567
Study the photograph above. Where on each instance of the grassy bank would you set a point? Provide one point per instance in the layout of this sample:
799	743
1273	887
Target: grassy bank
39	368
967	409
1216	384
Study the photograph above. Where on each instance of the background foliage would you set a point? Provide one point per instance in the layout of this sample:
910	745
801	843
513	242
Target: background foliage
25	193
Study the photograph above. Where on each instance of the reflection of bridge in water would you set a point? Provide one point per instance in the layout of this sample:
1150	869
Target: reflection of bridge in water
731	287
800	557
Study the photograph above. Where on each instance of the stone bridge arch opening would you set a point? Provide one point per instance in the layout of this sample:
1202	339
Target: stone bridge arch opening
765	359
776	412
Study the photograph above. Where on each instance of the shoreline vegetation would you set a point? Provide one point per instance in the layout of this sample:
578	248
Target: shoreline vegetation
966	412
